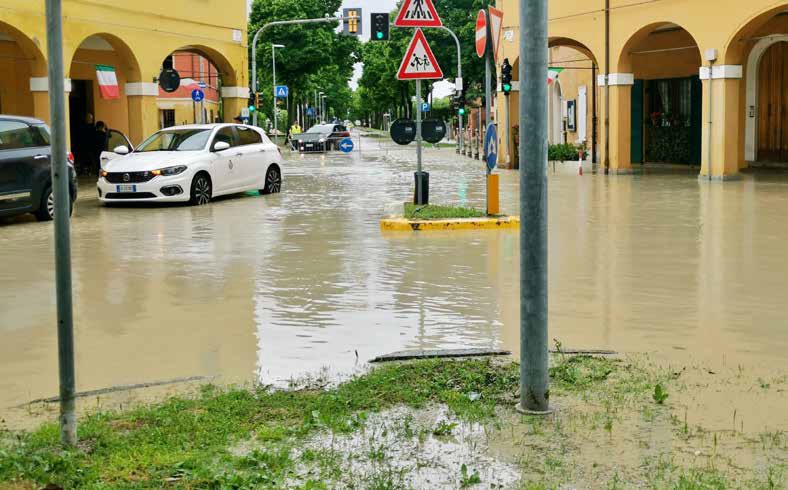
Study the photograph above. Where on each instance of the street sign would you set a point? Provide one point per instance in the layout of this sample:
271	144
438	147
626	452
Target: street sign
282	91
418	13
310	112
198	95
202	85
491	147
419	62
169	80
496	24
245	113
433	130
481	33
403	131
425	107
346	145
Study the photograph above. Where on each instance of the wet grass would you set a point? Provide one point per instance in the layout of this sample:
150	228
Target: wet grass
265	438
433	212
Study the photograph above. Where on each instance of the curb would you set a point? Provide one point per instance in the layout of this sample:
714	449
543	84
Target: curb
498	223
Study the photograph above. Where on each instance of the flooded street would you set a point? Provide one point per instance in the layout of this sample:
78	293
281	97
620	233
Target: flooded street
270	288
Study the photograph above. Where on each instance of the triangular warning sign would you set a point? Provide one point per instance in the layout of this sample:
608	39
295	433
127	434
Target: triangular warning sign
418	13
496	24
419	62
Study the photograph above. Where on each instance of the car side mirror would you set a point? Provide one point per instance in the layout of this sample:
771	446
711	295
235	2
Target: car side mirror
221	146
121	150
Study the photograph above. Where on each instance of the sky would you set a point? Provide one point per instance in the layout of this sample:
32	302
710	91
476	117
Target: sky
441	90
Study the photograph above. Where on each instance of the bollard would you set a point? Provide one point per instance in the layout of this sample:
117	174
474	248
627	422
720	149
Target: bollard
493	200
580	161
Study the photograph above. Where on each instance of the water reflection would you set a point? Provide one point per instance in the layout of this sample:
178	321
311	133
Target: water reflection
270	288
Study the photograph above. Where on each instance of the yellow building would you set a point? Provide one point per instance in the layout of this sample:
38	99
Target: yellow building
134	38
642	68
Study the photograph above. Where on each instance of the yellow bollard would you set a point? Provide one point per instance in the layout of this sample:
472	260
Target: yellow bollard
493	208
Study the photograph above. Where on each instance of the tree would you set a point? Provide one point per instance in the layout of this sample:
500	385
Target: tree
315	56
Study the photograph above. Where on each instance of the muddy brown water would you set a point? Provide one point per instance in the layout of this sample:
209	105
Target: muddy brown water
269	288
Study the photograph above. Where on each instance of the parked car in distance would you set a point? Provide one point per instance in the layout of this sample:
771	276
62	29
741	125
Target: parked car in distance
320	138
194	164
26	169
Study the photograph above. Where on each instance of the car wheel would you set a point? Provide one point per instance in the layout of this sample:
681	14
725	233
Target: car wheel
201	190
273	181
46	211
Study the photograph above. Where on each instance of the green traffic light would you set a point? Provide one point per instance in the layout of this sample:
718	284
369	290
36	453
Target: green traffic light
252	108
462	112
379	35
507	87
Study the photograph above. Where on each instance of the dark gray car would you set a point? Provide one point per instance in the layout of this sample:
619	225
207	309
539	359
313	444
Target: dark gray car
26	168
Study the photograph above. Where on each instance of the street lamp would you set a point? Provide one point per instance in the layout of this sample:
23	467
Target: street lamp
274	47
319	103
324	107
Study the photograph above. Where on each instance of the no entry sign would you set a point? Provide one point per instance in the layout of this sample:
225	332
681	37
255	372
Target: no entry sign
481	33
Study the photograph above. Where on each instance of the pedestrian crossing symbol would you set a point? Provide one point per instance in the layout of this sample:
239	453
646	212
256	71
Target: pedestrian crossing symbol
418	13
419	62
282	91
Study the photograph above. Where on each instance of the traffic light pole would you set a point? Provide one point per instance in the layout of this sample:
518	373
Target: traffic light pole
260	31
459	82
273	62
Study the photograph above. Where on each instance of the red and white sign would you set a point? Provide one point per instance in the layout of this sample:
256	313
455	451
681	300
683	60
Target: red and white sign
496	24
419	62
418	13
481	33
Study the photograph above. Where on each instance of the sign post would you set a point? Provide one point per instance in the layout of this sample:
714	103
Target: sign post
534	380
419	64
60	191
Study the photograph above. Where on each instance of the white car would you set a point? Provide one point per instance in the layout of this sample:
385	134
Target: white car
192	163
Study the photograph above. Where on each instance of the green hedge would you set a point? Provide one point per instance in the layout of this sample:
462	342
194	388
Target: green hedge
564	152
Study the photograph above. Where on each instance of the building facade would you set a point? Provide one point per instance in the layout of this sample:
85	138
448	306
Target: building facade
693	82
134	38
177	107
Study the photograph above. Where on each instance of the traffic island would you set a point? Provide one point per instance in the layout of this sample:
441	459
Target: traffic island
444	218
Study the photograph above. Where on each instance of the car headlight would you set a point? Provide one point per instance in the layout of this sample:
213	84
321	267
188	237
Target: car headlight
104	173
170	170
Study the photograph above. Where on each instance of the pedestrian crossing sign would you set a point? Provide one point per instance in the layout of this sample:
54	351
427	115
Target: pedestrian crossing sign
418	13
419	62
281	91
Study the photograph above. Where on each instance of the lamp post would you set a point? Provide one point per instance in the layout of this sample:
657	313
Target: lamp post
325	108
320	107
274	47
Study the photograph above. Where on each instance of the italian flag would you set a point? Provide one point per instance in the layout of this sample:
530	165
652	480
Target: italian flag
108	82
552	74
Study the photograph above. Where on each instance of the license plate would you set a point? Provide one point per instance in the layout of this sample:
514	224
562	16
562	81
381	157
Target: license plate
126	188
310	145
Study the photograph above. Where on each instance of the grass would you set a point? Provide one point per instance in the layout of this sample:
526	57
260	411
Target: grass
265	438
432	212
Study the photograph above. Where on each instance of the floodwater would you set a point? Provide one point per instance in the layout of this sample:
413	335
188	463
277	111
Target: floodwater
269	288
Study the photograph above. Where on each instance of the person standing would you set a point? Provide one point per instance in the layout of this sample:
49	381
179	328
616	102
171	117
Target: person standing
99	145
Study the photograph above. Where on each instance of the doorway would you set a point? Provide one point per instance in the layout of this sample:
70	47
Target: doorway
772	97
80	102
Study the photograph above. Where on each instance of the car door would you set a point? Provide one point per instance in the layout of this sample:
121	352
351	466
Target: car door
224	177
23	154
115	139
251	154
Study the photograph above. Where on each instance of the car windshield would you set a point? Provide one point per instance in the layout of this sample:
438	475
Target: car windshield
176	140
323	128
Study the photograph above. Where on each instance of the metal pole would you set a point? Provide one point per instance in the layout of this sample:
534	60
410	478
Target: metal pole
508	132
487	97
419	189
607	87
533	207
273	61
60	190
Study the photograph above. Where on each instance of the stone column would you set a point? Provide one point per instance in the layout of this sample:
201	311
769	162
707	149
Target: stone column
233	100
143	110
726	147
39	87
620	121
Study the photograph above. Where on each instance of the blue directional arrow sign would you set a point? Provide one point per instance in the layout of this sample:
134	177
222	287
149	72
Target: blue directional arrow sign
346	145
282	91
198	95
491	147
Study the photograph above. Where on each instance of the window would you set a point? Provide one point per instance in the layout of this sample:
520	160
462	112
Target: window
180	140
248	136
15	135
167	118
227	135
116	139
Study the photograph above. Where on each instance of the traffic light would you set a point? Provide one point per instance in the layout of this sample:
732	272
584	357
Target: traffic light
506	77
380	27
252	101
257	99
461	102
